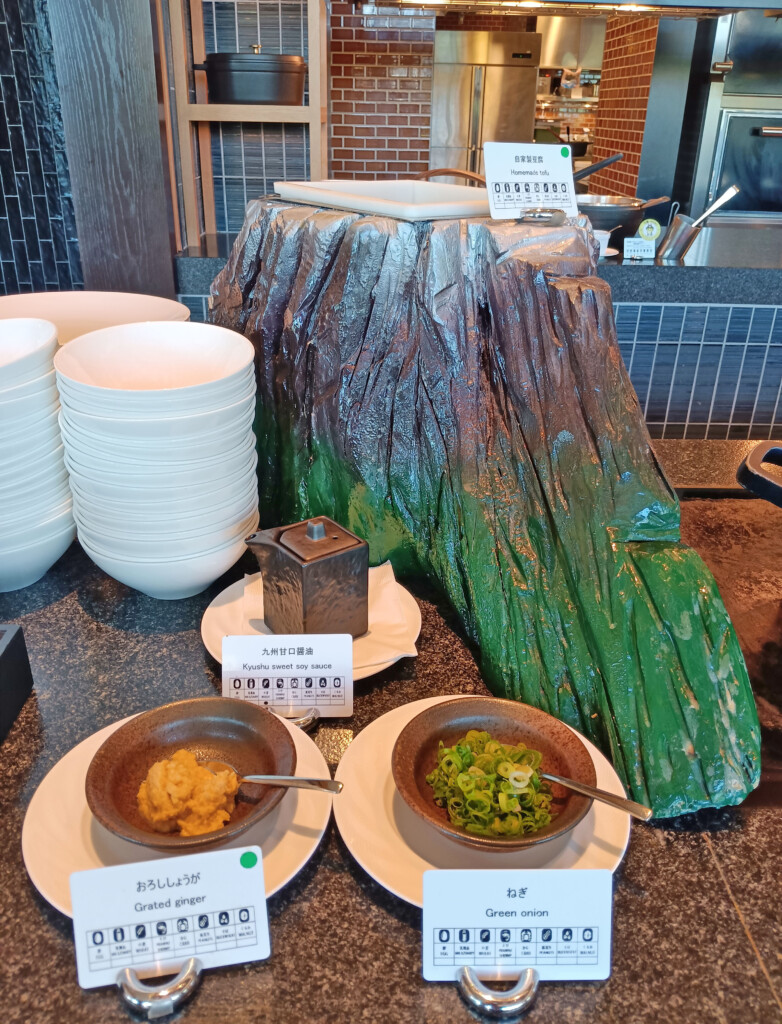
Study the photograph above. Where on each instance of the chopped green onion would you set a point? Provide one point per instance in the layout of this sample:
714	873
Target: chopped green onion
491	789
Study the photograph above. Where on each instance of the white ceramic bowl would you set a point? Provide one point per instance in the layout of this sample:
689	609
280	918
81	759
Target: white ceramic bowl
196	495
22	566
26	448
170	528
137	507
16	522
208	445
29	429
185	428
167	579
160	404
40	490
140	476
144	549
198	488
48	525
157	356
26	411
168	523
18	530
20	526
44	466
75	313
27	347
44	382
25	522
117	467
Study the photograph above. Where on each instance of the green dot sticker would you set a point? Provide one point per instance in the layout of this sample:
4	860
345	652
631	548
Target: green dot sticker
565	151
248	859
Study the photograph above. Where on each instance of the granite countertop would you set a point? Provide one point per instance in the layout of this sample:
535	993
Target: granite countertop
697	929
730	262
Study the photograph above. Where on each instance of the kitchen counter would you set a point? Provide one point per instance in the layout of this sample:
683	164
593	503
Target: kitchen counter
697	928
728	263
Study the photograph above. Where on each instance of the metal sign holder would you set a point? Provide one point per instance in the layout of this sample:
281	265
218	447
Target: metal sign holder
155	1001
498	1005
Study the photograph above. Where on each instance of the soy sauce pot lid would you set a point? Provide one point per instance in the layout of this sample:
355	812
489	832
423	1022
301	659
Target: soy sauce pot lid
316	538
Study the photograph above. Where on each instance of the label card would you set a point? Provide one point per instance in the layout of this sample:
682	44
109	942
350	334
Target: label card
291	673
155	915
499	922
521	176
639	249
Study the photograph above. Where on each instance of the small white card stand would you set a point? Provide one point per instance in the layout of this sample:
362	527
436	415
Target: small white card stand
530	182
302	678
206	909
519	925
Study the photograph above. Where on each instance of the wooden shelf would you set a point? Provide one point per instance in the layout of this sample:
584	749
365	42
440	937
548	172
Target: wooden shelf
251	113
558	101
194	119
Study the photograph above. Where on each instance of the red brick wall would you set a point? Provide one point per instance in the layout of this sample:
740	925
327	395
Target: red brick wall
486	22
628	59
380	91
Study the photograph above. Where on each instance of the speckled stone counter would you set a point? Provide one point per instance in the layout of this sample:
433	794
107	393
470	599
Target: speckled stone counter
698	927
730	263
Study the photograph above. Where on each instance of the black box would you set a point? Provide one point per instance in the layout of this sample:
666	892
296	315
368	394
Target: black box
16	679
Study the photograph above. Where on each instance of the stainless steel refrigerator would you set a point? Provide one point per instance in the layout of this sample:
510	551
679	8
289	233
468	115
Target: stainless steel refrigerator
483	90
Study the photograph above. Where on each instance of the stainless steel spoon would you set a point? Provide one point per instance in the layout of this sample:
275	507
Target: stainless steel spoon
729	193
620	802
287	781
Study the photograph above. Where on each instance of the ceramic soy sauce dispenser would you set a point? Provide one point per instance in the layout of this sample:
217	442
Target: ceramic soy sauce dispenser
315	577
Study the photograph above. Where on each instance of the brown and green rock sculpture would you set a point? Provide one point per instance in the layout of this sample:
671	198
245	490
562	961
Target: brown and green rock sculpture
453	391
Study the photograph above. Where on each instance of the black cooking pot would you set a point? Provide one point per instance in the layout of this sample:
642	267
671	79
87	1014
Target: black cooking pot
254	78
751	474
621	215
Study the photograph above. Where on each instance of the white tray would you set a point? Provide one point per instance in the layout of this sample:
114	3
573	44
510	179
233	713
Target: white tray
404	199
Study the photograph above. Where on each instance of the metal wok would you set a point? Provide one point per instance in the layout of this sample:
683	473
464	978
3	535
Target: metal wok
621	215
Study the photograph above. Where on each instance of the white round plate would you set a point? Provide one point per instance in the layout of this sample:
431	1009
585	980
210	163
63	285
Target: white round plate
60	835
225	617
610	252
395	847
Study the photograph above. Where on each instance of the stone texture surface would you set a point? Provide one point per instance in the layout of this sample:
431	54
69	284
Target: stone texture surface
453	392
696	910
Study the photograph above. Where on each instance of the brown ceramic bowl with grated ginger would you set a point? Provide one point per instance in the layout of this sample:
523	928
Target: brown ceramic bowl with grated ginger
251	739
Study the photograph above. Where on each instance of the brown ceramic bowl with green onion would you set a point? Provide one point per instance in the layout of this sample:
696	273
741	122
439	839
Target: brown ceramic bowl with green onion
563	753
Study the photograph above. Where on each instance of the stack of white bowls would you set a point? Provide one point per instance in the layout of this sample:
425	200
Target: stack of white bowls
157	419
77	313
36	516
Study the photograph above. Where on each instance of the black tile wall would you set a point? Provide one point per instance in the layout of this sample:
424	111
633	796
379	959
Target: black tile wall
39	248
246	161
232	26
700	371
705	371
